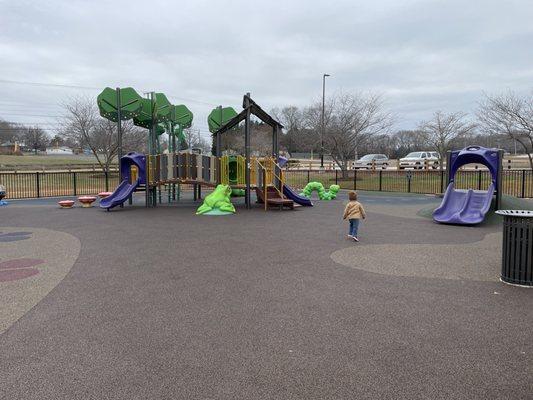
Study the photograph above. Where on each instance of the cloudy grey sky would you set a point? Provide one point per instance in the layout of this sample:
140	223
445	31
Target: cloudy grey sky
422	55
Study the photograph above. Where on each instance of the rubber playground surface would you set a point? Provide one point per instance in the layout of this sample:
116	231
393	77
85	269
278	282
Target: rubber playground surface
161	304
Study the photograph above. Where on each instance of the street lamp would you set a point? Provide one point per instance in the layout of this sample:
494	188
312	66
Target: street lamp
322	125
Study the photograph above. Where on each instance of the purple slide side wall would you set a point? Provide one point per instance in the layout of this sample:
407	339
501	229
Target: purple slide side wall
120	195
464	207
290	193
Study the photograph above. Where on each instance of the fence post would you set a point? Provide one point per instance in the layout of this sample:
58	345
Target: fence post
74	183
308	176
37	184
106	181
523	183
354	179
408	175
336	178
380	179
442	181
479	180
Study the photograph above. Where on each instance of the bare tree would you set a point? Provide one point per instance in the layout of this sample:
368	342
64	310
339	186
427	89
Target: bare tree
443	129
194	139
83	125
311	138
512	115
261	139
354	120
381	144
294	135
35	139
408	141
11	132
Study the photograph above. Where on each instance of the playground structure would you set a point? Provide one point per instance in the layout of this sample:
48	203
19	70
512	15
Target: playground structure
262	174
150	172
469	207
2	195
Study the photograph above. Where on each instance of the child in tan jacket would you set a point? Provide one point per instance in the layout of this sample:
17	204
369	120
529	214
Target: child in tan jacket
354	211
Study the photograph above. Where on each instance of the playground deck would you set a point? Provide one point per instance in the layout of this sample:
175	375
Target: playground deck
160	303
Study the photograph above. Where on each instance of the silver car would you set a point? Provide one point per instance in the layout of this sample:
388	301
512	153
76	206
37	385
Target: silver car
372	160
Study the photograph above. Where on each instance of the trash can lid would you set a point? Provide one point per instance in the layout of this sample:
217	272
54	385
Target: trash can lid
516	213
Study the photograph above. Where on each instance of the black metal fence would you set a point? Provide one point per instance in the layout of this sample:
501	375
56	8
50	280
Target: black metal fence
24	185
518	183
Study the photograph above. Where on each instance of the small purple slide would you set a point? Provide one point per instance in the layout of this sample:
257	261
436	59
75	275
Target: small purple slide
290	193
464	207
120	195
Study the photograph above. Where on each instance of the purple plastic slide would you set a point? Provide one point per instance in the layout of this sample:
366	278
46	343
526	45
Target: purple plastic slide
120	195
464	207
290	193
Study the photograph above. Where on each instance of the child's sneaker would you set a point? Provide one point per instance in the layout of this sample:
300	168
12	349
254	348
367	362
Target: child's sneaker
355	238
349	237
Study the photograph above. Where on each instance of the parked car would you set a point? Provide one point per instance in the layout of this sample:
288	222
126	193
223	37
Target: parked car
418	159
366	162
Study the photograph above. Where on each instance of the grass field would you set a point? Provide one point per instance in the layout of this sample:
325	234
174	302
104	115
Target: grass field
29	162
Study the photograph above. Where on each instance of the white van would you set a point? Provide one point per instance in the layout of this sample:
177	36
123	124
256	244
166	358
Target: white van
418	160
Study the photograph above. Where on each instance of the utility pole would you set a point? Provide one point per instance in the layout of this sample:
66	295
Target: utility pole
322	124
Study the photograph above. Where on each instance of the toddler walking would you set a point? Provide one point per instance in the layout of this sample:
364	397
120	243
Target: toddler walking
354	211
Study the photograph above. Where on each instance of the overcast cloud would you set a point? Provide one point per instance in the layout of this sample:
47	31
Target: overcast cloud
421	55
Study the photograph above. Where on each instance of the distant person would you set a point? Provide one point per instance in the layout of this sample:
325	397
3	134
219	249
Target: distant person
354	211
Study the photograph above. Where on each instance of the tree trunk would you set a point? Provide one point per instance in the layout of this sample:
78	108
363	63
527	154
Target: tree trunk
344	169
524	145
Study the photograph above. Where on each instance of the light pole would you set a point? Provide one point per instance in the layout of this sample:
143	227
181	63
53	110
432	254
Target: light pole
322	124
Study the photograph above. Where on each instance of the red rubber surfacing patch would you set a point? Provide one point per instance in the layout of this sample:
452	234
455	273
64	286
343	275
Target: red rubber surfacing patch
21	268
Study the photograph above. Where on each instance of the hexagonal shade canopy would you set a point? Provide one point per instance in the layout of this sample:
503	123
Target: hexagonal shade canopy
144	119
220	116
130	103
181	115
160	129
161	111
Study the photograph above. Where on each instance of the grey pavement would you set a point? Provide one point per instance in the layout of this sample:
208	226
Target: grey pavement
163	304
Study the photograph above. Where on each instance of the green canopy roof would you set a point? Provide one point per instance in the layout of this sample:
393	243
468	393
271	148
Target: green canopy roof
161	111
162	108
219	116
144	118
160	129
181	115
130	103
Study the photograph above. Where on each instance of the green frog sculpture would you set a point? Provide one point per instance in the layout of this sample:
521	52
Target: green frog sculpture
218	202
323	194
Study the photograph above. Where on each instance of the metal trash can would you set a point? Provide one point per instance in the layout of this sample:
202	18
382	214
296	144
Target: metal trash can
517	253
